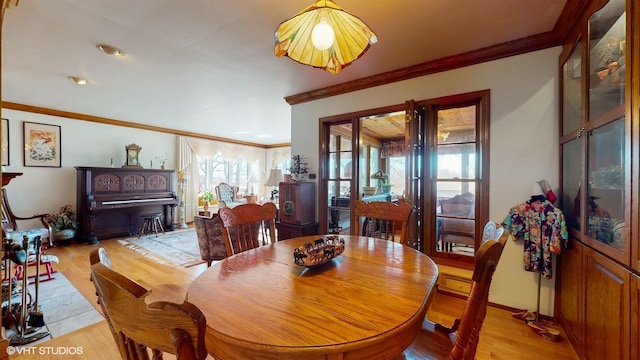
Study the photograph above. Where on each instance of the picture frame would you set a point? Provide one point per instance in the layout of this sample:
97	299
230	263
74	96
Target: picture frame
42	145
4	145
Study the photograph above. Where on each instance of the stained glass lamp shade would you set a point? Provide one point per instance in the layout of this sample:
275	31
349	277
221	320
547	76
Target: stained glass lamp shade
351	37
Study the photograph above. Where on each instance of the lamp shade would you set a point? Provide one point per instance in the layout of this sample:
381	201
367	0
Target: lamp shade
306	39
275	178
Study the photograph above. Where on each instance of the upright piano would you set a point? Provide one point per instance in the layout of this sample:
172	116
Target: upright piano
111	202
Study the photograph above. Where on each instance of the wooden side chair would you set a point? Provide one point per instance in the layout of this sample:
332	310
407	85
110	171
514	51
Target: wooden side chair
381	219
138	327
460	341
248	226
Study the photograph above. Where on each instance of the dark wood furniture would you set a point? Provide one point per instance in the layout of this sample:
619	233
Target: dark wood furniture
461	340
111	201
288	231
260	305
297	202
136	326
297	209
597	292
248	226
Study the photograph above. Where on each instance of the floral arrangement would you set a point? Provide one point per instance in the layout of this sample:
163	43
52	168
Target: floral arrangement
207	195
298	167
63	219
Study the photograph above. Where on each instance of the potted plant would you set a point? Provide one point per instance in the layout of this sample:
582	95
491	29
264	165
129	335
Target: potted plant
64	223
207	196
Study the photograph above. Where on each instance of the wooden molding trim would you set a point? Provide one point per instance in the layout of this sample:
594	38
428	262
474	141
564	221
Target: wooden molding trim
107	121
499	51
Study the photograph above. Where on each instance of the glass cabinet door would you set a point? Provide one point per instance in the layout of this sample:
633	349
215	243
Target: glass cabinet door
607	49
594	141
572	91
605	207
571	181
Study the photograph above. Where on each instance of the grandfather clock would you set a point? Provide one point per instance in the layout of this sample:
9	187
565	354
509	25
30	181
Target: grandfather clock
297	209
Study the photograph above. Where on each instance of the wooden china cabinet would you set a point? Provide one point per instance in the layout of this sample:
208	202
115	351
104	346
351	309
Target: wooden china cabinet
597	284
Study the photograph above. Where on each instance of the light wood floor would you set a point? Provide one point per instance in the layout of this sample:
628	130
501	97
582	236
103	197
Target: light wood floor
502	337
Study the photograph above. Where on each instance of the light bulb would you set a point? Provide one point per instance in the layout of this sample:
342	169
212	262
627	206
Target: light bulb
322	35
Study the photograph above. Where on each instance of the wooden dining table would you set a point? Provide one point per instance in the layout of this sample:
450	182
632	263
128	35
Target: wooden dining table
367	303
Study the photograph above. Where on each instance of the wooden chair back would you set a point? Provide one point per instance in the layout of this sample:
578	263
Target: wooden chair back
161	326
248	226
381	219
461	340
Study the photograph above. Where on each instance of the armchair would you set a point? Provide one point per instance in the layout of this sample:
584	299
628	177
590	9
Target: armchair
210	238
228	195
457	226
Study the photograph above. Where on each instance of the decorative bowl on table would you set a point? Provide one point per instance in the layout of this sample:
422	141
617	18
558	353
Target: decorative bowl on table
318	252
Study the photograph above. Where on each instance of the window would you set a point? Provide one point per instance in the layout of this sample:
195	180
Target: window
239	172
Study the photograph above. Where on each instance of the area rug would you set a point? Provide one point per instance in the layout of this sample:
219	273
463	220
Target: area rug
173	248
64	308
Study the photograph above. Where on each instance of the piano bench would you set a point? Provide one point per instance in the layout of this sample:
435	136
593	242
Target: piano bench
151	224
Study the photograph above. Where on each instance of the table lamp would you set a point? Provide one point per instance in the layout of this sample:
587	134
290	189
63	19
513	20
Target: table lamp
275	177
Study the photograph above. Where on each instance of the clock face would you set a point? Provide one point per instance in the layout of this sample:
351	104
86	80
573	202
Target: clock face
288	208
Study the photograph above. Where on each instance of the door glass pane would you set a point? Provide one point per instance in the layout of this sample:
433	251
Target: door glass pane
571	175
607	43
606	195
456	125
455	163
339	207
572	91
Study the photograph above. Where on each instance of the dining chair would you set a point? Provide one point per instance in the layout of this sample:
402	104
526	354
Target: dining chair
457	226
138	327
381	219
460	341
248	226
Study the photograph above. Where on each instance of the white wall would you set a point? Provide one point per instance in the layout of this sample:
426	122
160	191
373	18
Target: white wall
43	190
523	143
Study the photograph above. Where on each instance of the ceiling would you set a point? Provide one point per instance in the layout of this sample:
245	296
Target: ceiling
208	67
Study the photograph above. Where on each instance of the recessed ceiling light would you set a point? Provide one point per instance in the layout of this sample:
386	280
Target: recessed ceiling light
110	50
78	80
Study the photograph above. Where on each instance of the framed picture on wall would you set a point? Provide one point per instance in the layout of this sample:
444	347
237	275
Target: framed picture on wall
5	142
41	145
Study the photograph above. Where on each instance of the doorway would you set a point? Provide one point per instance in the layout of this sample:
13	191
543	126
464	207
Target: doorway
432	154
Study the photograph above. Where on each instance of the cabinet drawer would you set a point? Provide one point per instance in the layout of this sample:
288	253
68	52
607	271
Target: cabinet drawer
454	284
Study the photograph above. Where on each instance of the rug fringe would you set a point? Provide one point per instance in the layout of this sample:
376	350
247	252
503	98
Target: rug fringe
149	255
